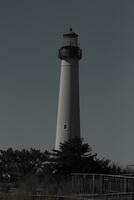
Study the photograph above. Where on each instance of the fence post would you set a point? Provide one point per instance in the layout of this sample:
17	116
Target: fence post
101	184
125	184
93	183
72	183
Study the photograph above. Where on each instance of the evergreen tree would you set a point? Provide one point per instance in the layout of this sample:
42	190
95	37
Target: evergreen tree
73	156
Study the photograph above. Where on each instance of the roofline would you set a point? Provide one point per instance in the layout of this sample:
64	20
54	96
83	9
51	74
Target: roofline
70	34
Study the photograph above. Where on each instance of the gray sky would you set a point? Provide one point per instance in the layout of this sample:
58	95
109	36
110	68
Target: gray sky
30	35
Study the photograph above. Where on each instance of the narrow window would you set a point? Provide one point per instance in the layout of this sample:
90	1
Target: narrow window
65	126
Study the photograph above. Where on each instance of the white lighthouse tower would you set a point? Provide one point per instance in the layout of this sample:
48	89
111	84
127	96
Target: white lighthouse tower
68	119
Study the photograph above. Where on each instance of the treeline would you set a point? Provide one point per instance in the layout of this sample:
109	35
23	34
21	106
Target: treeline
73	156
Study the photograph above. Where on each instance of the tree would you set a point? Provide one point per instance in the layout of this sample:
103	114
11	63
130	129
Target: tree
102	166
73	156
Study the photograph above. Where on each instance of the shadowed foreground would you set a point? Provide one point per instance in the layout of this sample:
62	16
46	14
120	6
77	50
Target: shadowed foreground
116	196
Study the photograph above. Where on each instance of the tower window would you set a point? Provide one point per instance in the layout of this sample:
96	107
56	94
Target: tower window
65	126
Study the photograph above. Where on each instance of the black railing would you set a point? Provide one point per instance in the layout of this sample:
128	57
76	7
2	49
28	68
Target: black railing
70	52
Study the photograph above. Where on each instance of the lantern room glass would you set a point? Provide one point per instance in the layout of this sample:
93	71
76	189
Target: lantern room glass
70	41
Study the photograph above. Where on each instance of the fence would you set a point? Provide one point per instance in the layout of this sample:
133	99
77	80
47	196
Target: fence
101	183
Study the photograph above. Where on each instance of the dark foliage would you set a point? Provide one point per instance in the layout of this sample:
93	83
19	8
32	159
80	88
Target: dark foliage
72	156
15	164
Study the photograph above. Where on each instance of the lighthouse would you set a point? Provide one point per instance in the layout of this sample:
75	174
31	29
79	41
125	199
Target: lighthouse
68	118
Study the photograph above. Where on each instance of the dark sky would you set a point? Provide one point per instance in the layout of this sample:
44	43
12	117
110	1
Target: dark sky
30	35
